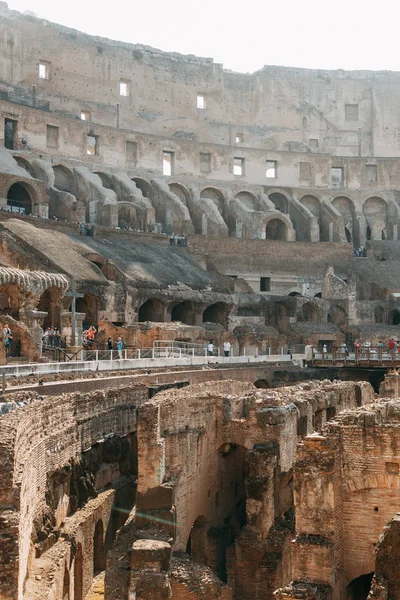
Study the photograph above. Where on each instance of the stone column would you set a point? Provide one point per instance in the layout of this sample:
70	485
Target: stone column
66	327
34	320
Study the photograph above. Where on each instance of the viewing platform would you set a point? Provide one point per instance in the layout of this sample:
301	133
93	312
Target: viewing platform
369	357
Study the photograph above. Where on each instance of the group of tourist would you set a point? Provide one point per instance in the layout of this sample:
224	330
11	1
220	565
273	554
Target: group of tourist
52	338
119	346
393	346
177	240
360	252
227	346
7	337
86	229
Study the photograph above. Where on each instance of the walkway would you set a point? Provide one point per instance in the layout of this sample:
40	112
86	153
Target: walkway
372	357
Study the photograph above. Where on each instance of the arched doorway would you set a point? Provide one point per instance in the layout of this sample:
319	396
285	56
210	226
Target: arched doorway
88	305
216	313
276	230
248	199
180	191
280	202
151	310
394	317
78	573
99	558
359	588
184	312
262	384
216	196
50	302
19	199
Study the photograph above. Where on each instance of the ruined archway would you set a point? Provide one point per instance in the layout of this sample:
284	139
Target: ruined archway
394	317
309	313
64	179
99	557
144	186
375	211
216	196
262	384
10	300
280	202
127	217
359	588
180	191
184	312
276	230
248	199
313	205
50	302
20	198
25	164
88	305
339	315
346	208
151	310
216	313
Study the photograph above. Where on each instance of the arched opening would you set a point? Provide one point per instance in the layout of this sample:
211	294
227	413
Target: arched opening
313	205
330	413
216	313
346	208
359	588
19	199
24	164
248	199
339	316
376	213
318	295
65	593
197	541
309	313
127	217
184	312
180	191
10	302
99	558
262	384
379	314
144	186
295	294
50	302
276	230
394	317
106	180
151	310
64	179
280	202
78	573
216	196
88	305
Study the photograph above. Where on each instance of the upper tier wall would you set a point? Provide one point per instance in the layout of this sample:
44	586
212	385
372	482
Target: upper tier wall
347	113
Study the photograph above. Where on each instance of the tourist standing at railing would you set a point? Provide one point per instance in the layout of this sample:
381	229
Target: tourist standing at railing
7	339
120	346
109	344
227	348
210	349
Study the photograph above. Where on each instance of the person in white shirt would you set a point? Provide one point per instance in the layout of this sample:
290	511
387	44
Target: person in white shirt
210	349
227	348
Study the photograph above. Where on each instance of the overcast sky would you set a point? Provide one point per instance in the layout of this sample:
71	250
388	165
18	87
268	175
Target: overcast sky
244	35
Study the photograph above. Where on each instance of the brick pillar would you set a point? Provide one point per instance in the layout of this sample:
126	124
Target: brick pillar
150	562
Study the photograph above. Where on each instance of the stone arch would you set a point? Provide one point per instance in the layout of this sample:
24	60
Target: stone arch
375	210
276	229
394	317
216	196
185	312
180	191
151	310
339	315
346	208
99	557
262	384
78	573
309	313
359	587
294	294
50	302
312	203
64	179
248	199
127	216
216	313
66	583
106	179
25	164
21	198
196	545
280	200
10	300
88	305
379	314
144	186
318	295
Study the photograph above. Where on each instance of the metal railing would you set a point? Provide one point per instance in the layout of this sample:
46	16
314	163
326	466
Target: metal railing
374	356
24	100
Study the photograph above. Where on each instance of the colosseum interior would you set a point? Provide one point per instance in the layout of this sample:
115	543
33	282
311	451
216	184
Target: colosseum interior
174	204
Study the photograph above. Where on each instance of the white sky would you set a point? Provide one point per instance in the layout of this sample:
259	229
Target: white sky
244	35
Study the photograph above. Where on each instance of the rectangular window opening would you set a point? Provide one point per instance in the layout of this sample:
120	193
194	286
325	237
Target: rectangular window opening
239	139
168	163
85	116
205	162
238	166
313	143
10	134
351	112
372	173
305	172
44	69
265	284
124	88
92	147
131	152
52	134
201	101
337	177
272	169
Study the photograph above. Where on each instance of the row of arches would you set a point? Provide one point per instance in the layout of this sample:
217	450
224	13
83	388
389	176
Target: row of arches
185	312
